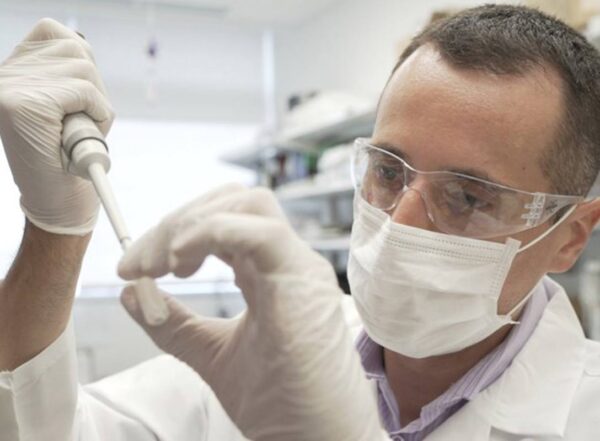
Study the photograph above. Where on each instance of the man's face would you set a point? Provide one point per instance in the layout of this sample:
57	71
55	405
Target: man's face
440	117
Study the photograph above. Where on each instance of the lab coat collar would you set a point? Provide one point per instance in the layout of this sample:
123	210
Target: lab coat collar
535	393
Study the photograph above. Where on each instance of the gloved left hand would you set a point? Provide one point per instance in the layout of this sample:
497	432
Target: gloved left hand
49	75
287	368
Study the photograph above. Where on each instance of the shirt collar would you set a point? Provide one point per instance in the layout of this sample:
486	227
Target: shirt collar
371	356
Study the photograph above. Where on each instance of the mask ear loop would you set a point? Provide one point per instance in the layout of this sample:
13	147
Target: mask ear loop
549	230
518	306
530	244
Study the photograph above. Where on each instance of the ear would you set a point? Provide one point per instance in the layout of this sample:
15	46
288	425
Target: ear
577	230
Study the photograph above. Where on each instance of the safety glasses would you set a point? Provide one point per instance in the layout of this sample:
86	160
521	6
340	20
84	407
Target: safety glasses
456	203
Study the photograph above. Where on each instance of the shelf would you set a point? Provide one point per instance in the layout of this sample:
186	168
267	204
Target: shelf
311	189
330	132
303	139
341	243
252	156
249	157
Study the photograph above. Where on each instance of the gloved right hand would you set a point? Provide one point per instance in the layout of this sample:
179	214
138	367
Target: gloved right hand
287	368
49	75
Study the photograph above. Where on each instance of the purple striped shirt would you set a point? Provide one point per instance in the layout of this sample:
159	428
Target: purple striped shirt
480	376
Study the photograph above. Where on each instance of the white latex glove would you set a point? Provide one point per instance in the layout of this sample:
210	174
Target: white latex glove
287	368
50	74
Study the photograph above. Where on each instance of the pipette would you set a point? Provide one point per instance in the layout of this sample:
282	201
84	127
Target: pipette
85	154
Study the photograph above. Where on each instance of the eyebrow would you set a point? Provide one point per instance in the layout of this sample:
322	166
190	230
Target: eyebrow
393	149
475	173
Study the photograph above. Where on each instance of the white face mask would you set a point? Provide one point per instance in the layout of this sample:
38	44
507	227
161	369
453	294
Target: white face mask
422	293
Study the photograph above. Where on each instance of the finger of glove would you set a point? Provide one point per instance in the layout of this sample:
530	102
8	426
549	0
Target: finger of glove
60	69
49	29
224	235
75	95
257	200
39	51
36	107
149	254
185	335
263	240
205	200
63	57
146	255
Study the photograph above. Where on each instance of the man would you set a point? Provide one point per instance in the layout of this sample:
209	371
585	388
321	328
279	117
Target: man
471	190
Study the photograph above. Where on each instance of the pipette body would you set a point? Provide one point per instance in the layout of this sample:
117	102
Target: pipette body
85	154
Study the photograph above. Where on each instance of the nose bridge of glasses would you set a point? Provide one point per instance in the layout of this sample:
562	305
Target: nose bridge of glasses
416	181
411	208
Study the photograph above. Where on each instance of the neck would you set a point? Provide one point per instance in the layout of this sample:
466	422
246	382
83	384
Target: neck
417	382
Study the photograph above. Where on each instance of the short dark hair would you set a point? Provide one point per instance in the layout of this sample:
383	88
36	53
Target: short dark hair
512	40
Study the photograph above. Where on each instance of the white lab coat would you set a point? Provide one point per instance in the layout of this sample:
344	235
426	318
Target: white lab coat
550	392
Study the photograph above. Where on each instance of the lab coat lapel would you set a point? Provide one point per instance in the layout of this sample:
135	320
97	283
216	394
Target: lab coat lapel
465	424
534	395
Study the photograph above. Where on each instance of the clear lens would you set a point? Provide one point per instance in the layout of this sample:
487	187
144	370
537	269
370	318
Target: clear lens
456	204
383	178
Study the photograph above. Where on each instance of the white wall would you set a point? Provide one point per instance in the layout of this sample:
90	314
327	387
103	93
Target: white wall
206	69
352	46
